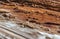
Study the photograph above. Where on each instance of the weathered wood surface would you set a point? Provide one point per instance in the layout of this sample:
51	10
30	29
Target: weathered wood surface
29	19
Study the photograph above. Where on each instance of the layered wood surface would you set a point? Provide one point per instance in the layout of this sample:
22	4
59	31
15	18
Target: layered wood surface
43	15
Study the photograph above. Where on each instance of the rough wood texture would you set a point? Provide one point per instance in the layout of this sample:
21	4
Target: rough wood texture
29	19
